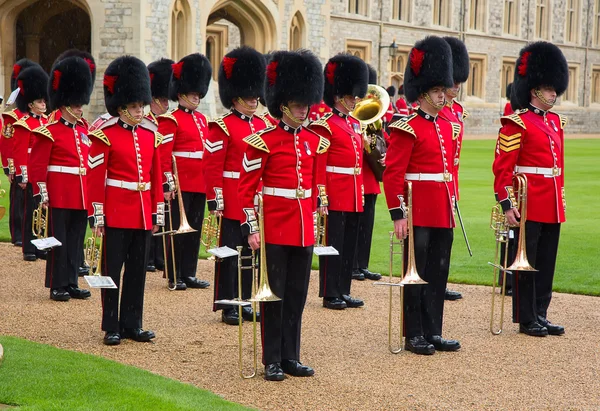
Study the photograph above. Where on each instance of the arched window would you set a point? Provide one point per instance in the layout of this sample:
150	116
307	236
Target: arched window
511	17
508	74
179	29
572	21
296	32
442	12
477	15
542	19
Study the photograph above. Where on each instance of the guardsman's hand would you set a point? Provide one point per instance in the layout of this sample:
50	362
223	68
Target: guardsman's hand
169	195
155	229
254	241
98	231
11	178
217	213
401	228
322	211
512	217
23	185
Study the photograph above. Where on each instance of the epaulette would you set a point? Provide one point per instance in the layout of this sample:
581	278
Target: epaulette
170	116
219	121
404	126
323	122
22	122
152	118
563	121
265	119
111	121
256	140
12	114
43	130
323	145
99	134
158	138
516	118
455	130
465	113
148	125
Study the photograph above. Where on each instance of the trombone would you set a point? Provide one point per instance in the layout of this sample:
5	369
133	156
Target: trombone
409	277
2	208
39	226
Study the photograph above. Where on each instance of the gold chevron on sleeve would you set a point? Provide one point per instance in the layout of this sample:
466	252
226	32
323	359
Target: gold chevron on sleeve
509	143
99	134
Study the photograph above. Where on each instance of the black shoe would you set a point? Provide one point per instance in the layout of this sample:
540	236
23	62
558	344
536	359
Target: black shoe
230	316
419	345
295	368
452	295
79	293
83	270
179	286
553	329
443	345
509	292
42	255
357	275
59	294
151	268
137	334
334	303
29	257
352	302
273	372
247	314
18	243
534	329
370	275
193	282
112	339
159	266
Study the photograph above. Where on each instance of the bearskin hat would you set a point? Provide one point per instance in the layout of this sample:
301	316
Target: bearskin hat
372	74
126	80
460	60
241	74
33	85
190	75
391	90
70	83
429	65
160	76
293	76
21	64
89	59
401	90
345	75
508	90
539	64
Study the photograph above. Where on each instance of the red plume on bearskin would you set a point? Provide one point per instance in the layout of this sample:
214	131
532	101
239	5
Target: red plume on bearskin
228	63
22	89
330	72
524	61
16	70
56	80
151	78
177	67
109	82
272	72
91	64
416	60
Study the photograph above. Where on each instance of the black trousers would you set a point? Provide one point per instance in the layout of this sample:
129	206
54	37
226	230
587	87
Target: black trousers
335	271
365	233
281	321
127	247
16	208
187	245
156	254
28	206
226	270
424	304
62	263
532	290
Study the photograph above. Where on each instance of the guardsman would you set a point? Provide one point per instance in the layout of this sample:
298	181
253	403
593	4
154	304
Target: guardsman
346	79
318	110
125	196
362	254
507	107
401	105
184	130
421	151
59	161
160	75
531	142
33	95
454	112
16	194
241	82
288	159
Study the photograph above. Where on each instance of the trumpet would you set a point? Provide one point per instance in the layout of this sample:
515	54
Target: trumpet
39	226
320	230
2	208
93	253
211	231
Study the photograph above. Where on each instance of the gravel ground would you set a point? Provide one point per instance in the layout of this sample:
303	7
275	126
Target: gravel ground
348	349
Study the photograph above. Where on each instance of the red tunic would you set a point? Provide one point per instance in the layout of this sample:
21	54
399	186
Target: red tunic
536	141
508	109
421	144
128	157
59	164
183	131
23	142
223	159
456	113
369	181
7	141
344	159
318	111
402	107
286	159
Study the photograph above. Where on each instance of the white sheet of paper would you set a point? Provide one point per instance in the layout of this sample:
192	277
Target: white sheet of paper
223	252
46	243
234	302
328	250
100	281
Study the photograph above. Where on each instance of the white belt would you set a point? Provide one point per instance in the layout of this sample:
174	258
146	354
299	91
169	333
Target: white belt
67	170
439	177
127	185
298	193
545	171
353	171
188	154
231	174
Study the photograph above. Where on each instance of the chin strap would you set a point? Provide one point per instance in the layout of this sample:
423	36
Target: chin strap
543	99
127	114
187	100
75	116
157	101
430	101
343	103
451	92
288	113
245	105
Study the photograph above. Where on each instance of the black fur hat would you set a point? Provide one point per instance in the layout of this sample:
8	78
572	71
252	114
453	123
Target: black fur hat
89	59
241	74
508	90
539	64
160	77
345	75
391	90
372	74
429	65
20	65
33	84
70	83
190	75
126	80
460	59
293	76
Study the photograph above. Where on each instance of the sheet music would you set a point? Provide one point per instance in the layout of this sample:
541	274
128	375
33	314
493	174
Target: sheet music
46	243
325	250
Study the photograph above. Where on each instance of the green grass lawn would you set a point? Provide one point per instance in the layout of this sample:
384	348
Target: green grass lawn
39	377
